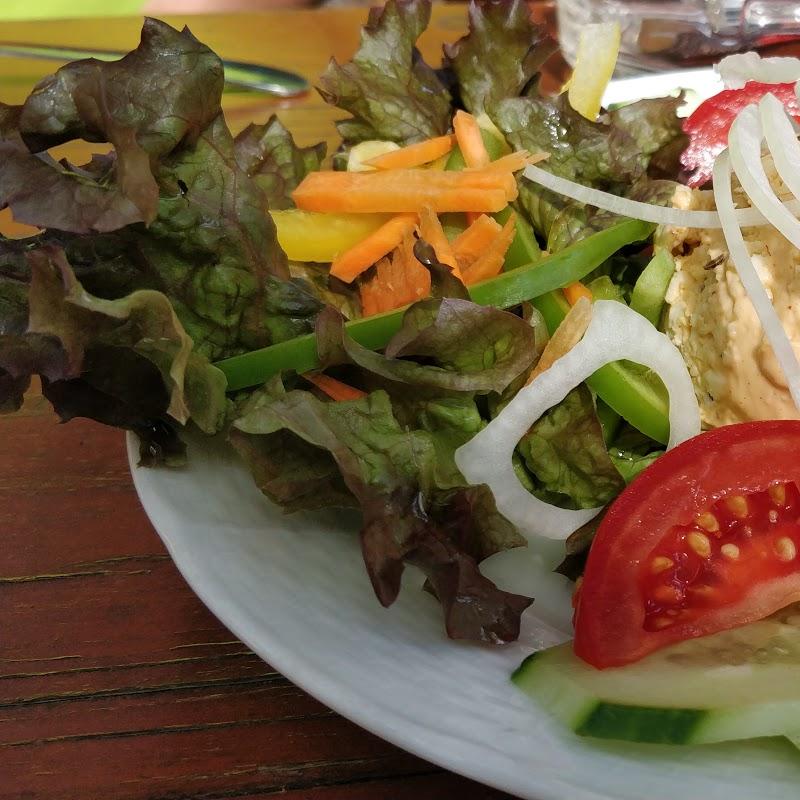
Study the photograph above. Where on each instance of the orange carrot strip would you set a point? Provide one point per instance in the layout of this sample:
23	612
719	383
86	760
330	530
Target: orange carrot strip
468	245
336	390
470	141
430	229
393	191
490	262
414	155
350	264
513	162
410	179
575	291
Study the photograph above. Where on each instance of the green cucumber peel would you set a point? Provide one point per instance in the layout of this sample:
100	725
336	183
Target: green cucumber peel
504	291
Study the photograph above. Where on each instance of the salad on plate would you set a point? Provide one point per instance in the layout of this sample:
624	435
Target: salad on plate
492	319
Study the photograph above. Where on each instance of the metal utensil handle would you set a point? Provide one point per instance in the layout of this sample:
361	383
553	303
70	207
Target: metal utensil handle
237	73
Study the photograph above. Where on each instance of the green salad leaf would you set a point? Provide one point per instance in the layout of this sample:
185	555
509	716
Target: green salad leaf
502	53
567	454
269	155
175	214
390	473
612	154
467	348
390	92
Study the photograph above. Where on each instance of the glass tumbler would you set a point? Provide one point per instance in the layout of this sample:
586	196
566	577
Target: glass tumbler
659	34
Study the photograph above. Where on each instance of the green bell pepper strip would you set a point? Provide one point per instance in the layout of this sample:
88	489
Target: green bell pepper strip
651	288
504	291
628	391
524	249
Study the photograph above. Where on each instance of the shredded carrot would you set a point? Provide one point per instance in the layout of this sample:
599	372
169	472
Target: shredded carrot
398	190
472	216
490	262
414	155
430	229
468	245
350	264
336	390
397	281
575	291
513	162
470	141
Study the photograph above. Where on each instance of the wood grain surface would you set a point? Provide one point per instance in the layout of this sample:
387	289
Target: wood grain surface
115	681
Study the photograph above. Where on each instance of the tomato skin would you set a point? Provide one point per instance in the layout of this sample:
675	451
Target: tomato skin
684	483
709	124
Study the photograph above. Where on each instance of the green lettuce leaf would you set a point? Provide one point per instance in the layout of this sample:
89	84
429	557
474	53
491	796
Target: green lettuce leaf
122	102
567	454
126	362
653	123
502	53
390	471
390	92
467	348
268	154
121	318
612	154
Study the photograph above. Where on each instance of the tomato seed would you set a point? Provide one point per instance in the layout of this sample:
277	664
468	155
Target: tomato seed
708	521
700	543
737	506
660	564
668	595
778	494
661	622
773	515
785	549
730	551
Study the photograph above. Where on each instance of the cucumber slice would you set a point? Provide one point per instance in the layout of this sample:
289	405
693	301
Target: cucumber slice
738	684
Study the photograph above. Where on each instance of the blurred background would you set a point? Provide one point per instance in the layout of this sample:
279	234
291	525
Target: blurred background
28	9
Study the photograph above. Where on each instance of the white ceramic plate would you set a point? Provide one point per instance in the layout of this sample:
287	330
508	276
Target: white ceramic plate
294	589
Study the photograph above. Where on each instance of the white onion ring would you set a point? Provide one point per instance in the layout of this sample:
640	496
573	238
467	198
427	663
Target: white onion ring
649	212
770	322
781	137
738	69
615	332
744	144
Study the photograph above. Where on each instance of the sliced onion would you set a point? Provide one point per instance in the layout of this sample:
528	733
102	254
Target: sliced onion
737	70
781	137
637	210
770	322
744	144
615	332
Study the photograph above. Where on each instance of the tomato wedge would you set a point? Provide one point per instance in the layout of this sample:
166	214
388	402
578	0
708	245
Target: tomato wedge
707	538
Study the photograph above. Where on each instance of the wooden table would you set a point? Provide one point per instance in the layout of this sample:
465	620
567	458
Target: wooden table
115	681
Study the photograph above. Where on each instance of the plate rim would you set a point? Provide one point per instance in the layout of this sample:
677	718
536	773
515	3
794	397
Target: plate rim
323	687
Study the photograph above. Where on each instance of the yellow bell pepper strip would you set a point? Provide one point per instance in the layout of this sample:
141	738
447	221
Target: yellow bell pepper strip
316	236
